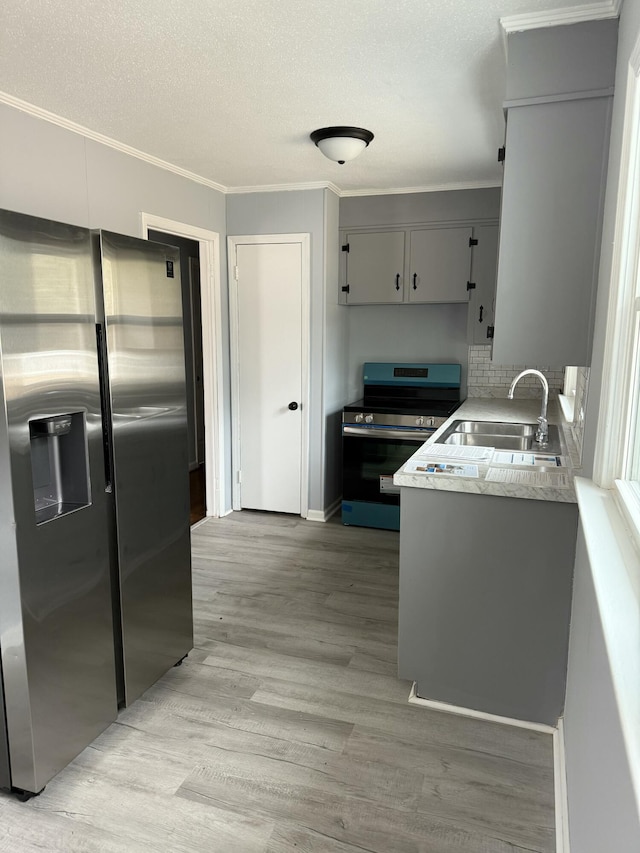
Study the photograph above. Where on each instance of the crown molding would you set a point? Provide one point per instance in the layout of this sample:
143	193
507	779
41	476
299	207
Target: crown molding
432	188
560	17
74	127
278	188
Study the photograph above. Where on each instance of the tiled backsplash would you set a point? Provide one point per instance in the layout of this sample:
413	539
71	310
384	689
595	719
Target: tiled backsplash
579	406
487	380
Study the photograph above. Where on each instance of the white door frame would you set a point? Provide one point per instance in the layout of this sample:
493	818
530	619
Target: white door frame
304	240
212	364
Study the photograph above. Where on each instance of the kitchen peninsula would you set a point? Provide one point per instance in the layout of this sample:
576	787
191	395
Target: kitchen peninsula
485	579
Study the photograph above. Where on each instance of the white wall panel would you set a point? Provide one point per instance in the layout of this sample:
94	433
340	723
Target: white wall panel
42	168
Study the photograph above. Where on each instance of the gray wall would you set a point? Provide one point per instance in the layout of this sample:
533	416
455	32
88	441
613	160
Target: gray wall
603	813
410	208
602	803
557	60
336	349
295	212
411	332
48	171
405	333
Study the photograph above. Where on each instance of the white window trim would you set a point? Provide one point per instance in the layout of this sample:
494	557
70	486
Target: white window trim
614	422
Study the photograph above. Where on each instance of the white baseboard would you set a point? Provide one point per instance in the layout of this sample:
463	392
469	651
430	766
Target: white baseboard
560	788
324	515
201	522
414	699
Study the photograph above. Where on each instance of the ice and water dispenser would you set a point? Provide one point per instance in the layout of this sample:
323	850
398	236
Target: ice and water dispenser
59	465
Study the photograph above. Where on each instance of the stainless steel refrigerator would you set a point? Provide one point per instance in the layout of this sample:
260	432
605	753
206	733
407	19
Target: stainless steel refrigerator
95	573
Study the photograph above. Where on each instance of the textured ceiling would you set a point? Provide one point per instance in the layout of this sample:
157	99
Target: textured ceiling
231	89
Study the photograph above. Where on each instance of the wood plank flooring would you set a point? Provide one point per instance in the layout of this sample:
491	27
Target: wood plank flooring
286	729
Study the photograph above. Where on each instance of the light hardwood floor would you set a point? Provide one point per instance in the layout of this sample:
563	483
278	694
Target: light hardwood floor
287	730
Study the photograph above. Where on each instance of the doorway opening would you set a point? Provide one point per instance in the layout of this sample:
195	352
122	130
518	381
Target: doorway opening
192	328
200	273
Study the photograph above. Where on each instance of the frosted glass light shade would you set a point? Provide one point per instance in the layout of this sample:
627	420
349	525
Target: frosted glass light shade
341	143
341	148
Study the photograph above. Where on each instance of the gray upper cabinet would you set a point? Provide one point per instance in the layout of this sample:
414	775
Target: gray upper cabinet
551	205
439	264
483	277
552	197
410	265
374	267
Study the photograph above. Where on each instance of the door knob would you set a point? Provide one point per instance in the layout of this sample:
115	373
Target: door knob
293	406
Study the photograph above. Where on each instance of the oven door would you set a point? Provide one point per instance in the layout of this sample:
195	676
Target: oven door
370	457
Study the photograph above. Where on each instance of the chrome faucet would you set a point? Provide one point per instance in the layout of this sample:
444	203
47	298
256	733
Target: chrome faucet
542	433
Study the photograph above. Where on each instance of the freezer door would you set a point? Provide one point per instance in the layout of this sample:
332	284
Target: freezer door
146	388
56	635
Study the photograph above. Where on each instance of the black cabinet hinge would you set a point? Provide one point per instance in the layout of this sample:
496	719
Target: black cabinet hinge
345	248
490	331
502	153
473	241
471	285
345	289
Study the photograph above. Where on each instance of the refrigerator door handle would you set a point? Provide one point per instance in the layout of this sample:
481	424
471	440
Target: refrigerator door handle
105	408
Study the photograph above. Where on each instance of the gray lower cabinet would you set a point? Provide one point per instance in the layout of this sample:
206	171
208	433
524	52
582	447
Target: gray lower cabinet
483	277
374	267
439	264
485	601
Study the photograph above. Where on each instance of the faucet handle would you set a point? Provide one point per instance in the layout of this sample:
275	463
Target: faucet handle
542	433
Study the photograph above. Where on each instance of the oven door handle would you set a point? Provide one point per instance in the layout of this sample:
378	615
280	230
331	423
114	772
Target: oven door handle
376	432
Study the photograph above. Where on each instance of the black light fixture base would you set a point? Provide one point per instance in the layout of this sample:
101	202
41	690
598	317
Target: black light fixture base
342	130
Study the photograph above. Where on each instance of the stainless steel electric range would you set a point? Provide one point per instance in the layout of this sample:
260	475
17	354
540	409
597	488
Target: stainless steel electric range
402	404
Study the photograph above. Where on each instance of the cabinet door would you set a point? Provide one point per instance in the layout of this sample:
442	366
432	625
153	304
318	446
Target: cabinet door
375	266
484	262
549	232
439	265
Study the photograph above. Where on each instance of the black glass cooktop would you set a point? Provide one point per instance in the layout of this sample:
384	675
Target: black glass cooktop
437	408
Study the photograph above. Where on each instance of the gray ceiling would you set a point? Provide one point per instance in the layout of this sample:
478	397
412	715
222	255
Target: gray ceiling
231	89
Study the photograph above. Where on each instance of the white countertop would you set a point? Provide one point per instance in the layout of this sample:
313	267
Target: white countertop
503	411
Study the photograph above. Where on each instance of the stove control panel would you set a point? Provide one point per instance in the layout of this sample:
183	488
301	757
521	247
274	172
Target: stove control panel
385	420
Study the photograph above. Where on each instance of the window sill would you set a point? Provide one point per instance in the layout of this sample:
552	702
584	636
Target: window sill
567	404
615	568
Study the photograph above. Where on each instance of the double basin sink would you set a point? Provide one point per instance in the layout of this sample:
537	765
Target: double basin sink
518	437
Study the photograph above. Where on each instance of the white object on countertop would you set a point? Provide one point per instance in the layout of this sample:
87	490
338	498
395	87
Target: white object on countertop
528	478
453	468
455	451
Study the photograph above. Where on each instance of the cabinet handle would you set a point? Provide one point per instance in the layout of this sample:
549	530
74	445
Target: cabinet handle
398	281
480	315
415	281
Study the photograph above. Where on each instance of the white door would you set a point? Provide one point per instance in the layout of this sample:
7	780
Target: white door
270	406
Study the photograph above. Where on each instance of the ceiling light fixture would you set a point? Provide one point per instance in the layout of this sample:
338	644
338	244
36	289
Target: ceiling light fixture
341	143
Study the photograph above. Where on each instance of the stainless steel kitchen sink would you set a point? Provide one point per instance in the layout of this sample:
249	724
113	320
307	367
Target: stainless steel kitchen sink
491	428
519	437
